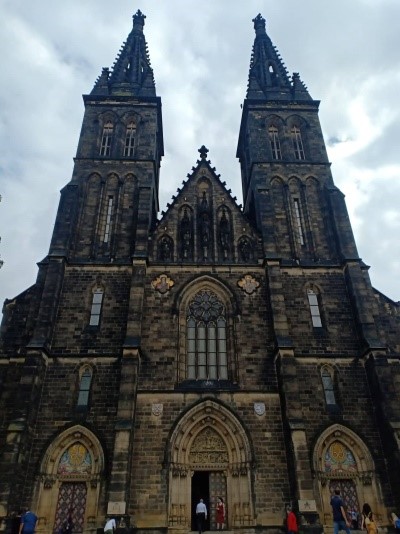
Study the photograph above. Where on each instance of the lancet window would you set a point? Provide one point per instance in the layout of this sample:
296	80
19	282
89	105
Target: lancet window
97	302
297	143
130	140
298	221
275	143
314	301
84	388
106	138
328	385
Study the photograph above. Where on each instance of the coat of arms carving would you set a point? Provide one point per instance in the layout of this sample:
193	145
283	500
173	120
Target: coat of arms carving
157	409
259	408
248	284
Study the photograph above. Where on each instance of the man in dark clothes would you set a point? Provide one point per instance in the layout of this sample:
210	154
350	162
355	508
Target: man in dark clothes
340	521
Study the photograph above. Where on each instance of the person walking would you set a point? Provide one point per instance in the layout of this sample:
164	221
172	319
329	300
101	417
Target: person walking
201	515
220	519
368	521
110	526
28	523
291	521
340	521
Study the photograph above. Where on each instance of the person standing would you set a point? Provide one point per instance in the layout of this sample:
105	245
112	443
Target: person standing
110	526
201	515
340	521
28	523
368	521
220	514
354	519
291	521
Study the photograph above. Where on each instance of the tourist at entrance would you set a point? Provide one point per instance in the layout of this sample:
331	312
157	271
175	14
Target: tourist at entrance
110	526
340	521
368	521
28	523
220	514
291	521
201	515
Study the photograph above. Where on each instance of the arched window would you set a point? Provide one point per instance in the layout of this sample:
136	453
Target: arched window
314	301
274	141
298	220
107	222
328	385
97	302
84	388
105	147
206	338
297	143
130	140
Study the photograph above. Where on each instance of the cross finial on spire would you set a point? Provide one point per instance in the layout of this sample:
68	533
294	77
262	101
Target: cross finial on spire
138	19
203	152
259	24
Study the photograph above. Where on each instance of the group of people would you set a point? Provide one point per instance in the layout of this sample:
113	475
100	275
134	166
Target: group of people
368	521
220	515
341	521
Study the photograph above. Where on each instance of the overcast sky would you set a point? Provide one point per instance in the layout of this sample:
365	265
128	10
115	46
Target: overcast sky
347	52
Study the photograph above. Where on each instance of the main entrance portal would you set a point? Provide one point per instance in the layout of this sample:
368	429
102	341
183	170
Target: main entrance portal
209	457
208	485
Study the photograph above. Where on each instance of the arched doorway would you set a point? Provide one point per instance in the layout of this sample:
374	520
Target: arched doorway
209	456
343	461
68	486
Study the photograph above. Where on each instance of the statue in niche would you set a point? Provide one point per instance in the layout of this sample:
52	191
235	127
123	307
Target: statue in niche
205	234
185	236
165	249
224	234
245	249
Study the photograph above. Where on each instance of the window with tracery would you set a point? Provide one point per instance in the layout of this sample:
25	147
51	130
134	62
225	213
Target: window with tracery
206	338
130	140
297	143
105	147
274	141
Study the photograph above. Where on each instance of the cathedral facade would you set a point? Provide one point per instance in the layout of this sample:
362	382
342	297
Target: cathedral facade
215	350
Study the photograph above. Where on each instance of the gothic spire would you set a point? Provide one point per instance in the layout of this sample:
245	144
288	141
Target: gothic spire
131	73
268	76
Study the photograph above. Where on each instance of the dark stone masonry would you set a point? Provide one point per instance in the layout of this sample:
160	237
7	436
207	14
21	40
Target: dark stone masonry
214	350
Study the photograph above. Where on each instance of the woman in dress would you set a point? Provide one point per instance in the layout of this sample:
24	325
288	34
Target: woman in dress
368	522
220	514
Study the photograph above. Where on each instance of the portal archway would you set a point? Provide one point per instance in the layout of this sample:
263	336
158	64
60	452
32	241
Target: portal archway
209	444
342	460
69	482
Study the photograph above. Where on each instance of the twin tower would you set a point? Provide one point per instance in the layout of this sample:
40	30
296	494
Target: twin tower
216	351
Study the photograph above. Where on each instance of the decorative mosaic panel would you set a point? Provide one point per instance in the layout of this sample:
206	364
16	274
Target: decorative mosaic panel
339	459
76	460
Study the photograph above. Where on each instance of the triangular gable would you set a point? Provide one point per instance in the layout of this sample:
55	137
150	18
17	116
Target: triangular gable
204	223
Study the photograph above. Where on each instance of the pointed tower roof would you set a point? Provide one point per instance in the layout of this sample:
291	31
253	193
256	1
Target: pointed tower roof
131	73
268	76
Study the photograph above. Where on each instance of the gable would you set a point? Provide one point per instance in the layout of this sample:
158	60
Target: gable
204	224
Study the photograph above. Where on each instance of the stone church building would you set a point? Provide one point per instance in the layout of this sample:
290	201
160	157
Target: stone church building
215	350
